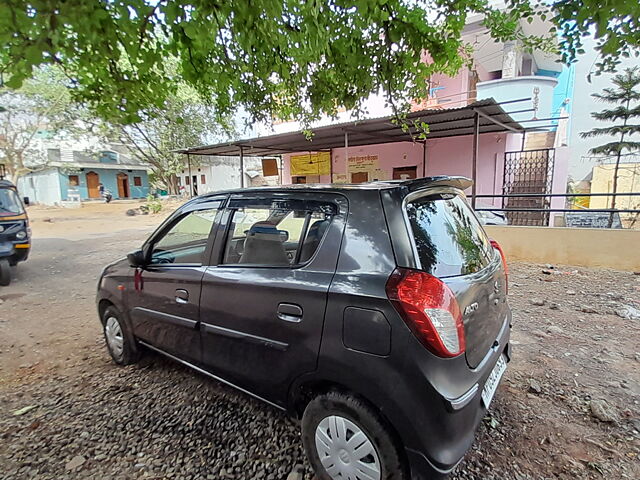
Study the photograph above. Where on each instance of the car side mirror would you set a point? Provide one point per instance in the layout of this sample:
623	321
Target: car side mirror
137	258
26	201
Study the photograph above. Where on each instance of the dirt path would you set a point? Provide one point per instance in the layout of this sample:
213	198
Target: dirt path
573	356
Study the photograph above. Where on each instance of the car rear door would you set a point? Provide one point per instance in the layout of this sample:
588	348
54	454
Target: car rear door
164	304
264	297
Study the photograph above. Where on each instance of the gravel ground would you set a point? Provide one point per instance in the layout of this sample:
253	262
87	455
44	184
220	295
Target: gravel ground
568	406
152	420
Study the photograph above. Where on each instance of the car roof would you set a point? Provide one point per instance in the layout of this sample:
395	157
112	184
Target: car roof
6	184
415	184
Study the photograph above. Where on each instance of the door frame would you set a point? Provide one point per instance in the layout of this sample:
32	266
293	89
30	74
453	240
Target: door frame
359	173
194	185
124	190
95	175
399	171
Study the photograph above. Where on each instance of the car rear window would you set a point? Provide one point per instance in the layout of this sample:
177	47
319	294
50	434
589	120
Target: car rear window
448	237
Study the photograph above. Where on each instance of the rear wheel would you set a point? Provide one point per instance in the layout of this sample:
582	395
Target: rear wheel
119	341
5	272
345	438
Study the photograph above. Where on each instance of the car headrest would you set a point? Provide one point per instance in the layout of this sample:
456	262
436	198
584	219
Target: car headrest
266	230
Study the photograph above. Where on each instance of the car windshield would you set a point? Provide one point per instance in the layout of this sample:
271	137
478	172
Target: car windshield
10	203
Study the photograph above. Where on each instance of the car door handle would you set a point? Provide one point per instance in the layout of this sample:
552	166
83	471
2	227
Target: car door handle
182	296
290	312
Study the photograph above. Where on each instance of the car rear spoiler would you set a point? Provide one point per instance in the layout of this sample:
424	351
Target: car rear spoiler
461	183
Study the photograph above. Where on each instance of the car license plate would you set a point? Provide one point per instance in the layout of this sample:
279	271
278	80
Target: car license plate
491	385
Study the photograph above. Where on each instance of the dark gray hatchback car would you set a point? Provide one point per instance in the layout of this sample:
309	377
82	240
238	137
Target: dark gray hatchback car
376	313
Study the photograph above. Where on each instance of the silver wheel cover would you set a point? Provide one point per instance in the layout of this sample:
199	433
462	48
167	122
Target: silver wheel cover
345	452
113	334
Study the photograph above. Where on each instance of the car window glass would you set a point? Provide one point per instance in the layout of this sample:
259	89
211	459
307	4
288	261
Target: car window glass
10	203
448	237
186	240
272	236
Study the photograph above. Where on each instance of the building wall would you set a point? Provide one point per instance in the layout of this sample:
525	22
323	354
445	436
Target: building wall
506	89
451	92
390	155
453	156
223	173
445	156
41	187
628	181
108	177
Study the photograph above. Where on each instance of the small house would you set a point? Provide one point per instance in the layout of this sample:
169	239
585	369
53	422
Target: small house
76	175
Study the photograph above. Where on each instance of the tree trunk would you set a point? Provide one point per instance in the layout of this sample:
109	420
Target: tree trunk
172	184
615	170
615	186
11	171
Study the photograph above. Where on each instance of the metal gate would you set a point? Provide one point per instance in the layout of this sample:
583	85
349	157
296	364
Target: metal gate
530	171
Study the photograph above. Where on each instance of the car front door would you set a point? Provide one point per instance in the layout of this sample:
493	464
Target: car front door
164	305
264	297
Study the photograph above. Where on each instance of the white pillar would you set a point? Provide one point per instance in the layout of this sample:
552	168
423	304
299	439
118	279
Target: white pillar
511	59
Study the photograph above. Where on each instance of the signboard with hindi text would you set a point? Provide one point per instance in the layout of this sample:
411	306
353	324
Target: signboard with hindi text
318	163
362	163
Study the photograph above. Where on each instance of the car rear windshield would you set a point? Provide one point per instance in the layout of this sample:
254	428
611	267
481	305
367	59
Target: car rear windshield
448	237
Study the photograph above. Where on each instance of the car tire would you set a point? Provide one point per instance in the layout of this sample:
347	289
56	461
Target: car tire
120	342
344	437
5	273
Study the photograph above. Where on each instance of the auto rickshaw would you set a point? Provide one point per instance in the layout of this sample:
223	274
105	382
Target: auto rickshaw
15	234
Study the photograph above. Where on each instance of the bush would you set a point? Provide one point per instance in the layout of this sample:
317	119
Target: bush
153	205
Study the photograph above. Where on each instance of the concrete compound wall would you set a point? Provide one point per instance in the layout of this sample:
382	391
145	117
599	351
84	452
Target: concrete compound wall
586	247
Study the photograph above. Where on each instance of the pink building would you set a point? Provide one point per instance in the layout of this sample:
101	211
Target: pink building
443	156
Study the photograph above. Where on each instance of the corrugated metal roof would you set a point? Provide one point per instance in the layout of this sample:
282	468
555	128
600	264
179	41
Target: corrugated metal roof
442	123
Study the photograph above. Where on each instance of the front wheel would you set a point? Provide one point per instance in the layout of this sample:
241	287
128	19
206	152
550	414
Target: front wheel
344	438
5	272
119	342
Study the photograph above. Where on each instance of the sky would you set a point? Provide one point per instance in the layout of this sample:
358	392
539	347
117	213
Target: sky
583	104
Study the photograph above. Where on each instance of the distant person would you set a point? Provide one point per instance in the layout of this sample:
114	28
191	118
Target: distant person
105	194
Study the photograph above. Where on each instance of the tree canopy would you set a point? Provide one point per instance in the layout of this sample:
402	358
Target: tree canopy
624	96
41	108
274	58
623	117
183	121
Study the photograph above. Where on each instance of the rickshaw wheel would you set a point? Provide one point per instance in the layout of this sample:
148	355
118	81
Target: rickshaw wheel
5	273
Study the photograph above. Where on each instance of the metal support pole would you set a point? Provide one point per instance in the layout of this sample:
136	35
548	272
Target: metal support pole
190	178
241	167
424	158
474	168
346	154
331	166
280	167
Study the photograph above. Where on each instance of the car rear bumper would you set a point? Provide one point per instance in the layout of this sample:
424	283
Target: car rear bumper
443	430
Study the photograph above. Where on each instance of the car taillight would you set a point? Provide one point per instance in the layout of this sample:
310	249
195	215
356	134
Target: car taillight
497	246
430	310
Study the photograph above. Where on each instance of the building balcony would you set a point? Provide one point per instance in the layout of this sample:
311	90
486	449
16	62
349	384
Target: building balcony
536	87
